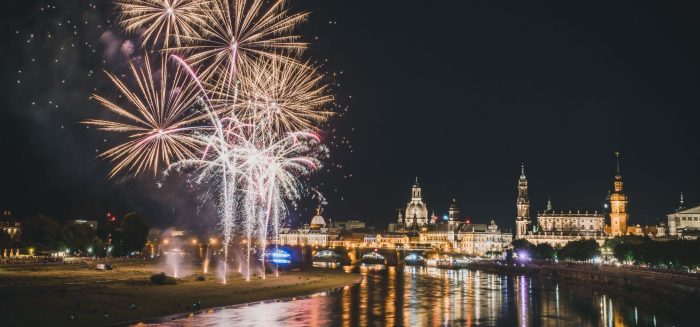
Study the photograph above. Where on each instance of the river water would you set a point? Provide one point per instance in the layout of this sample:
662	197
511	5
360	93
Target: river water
436	297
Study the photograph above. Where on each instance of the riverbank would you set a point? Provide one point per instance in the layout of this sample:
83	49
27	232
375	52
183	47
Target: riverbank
80	295
670	294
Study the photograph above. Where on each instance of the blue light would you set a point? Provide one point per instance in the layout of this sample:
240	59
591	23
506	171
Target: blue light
444	217
279	257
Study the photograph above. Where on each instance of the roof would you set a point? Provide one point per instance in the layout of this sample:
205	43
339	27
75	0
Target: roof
464	227
693	210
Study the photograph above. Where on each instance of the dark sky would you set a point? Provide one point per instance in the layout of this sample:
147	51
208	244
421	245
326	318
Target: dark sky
458	93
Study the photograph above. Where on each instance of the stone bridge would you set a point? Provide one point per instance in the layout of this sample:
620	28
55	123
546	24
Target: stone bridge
393	256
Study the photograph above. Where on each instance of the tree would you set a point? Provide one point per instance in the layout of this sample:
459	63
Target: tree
134	232
581	250
544	251
78	237
43	232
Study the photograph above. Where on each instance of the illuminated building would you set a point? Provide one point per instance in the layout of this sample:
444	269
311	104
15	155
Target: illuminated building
560	227
684	222
481	239
462	236
451	235
314	234
416	214
618	204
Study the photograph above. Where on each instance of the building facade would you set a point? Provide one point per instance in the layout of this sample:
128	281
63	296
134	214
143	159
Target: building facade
683	221
481	239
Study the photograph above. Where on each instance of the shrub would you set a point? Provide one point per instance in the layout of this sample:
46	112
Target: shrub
162	279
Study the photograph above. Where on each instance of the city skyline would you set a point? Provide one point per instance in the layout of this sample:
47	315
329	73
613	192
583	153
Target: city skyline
326	163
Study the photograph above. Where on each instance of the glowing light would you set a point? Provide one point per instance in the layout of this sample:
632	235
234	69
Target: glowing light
279	256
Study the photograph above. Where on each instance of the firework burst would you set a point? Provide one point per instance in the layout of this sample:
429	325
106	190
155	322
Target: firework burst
287	97
236	34
162	20
157	119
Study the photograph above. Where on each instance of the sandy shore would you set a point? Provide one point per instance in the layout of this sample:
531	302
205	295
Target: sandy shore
80	295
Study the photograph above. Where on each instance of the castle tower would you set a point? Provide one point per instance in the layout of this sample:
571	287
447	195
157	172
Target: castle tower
523	204
618	204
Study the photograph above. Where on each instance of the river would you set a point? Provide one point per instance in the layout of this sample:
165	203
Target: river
436	297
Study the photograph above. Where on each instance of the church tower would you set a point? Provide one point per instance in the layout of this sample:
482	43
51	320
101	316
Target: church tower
523	204
453	214
618	204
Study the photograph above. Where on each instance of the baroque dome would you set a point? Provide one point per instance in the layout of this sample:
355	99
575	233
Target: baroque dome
317	220
416	209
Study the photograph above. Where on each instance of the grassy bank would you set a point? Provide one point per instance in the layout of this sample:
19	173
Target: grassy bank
80	295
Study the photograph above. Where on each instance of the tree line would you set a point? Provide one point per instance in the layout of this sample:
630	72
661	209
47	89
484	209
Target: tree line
675	254
44	234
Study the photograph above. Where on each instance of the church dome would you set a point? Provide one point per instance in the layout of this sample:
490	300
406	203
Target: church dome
317	221
416	210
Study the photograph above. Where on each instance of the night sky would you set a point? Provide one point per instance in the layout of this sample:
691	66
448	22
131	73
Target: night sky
458	94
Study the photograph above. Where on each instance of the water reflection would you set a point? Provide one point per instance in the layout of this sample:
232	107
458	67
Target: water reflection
420	296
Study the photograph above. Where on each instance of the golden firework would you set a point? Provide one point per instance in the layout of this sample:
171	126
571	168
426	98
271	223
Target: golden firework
286	97
234	35
157	118
162	20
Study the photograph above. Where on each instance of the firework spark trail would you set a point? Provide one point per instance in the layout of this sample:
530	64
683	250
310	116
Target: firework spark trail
239	112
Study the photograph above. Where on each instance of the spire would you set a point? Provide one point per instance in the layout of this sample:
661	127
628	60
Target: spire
618	174
522	170
549	203
318	211
681	205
